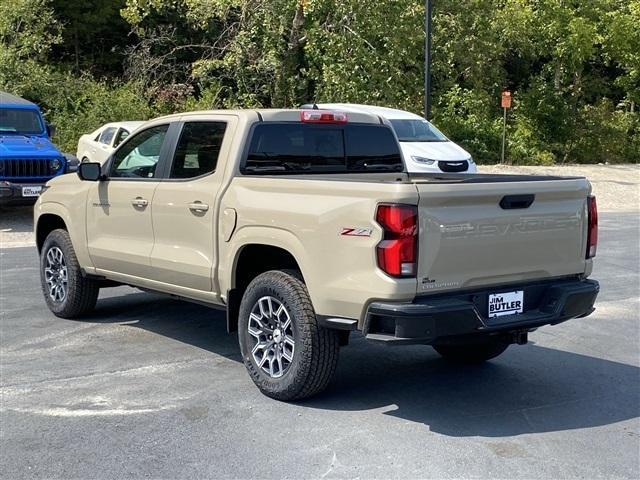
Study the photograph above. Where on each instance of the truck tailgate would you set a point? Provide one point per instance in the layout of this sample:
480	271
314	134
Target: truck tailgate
486	233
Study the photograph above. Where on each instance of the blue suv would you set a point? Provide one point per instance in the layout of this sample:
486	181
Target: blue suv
28	159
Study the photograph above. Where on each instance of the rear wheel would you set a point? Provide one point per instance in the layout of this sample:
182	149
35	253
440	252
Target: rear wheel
286	353
473	353
67	292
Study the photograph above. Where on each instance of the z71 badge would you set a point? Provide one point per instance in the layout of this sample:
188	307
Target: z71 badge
355	232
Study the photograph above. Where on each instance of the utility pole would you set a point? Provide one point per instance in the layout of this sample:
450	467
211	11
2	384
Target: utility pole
427	58
504	135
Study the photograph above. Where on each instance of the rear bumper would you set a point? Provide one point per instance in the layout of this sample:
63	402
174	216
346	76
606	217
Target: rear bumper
11	193
451	318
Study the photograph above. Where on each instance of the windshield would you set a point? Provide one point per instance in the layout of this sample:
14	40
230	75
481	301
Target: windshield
417	131
16	120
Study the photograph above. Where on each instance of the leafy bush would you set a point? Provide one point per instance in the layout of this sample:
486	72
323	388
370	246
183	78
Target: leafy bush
606	133
79	105
467	117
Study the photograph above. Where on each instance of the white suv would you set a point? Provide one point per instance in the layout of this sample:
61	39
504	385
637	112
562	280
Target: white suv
424	147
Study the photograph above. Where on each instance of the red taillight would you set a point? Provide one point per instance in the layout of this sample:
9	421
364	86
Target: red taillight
398	251
322	116
592	231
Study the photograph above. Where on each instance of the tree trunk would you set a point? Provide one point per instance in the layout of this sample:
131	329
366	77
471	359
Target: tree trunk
557	76
76	47
287	85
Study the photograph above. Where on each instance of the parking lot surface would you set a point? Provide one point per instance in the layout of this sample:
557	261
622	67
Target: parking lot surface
148	386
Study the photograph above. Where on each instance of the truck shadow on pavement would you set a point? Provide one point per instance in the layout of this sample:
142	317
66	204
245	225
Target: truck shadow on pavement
529	389
189	323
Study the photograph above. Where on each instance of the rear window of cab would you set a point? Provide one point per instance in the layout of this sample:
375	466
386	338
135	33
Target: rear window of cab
290	148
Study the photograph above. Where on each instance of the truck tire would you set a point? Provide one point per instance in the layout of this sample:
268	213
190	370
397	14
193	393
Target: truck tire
287	354
67	292
472	353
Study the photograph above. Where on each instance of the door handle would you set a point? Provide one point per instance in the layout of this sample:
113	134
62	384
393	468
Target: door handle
139	202
510	202
198	207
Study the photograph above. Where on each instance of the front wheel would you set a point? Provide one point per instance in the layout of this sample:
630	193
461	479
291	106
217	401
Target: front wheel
473	353
287	354
67	292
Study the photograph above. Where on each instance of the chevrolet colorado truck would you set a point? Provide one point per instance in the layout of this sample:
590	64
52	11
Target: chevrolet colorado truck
304	226
28	158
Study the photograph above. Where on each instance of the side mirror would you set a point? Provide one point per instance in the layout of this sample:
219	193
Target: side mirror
51	130
90	171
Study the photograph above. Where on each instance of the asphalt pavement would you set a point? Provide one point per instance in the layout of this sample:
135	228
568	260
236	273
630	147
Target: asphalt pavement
153	387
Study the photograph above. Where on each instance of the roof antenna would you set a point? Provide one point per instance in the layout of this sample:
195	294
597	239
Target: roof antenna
315	106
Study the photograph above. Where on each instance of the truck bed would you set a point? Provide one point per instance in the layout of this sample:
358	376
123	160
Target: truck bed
481	230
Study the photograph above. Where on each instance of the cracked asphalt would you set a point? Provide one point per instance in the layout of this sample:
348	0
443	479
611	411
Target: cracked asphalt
151	387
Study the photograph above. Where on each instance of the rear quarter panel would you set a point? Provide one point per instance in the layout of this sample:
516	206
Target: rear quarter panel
306	217
83	146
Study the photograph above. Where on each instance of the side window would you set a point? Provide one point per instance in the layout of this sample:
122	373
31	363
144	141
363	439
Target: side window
198	149
107	135
122	134
139	157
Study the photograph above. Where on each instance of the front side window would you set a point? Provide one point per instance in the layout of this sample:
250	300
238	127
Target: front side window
139	157
306	148
20	121
198	149
107	135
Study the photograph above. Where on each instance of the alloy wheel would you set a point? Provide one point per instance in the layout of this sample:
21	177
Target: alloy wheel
271	328
55	275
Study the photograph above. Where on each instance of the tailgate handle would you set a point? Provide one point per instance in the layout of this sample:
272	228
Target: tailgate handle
512	202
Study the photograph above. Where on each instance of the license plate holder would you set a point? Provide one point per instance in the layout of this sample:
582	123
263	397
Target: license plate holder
32	191
506	303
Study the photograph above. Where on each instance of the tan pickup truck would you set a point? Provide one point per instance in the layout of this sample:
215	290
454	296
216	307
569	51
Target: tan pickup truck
304	226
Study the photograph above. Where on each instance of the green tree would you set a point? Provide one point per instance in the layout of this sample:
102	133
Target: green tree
94	35
573	67
28	31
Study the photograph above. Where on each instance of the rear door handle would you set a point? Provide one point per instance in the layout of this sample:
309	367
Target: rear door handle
139	202
198	207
